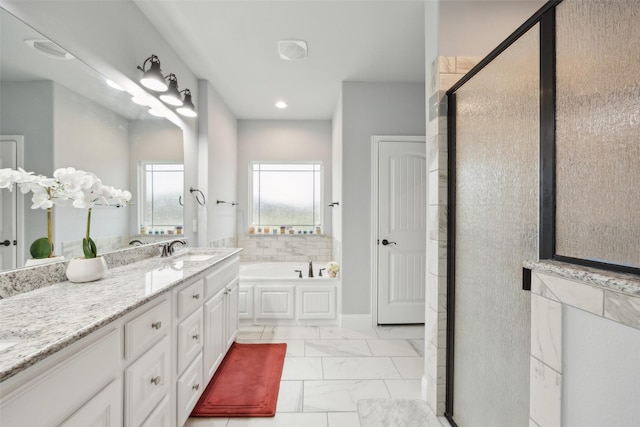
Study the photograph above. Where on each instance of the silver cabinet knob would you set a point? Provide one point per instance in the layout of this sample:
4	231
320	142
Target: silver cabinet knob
155	380
156	325
196	296
196	387
196	336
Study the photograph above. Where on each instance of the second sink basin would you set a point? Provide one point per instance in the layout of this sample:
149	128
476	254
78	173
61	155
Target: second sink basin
196	257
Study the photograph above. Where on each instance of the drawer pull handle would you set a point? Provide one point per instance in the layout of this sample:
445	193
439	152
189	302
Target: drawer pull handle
196	336
156	325
196	387
196	296
155	380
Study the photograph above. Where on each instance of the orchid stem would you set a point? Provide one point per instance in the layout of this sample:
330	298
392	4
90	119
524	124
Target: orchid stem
88	224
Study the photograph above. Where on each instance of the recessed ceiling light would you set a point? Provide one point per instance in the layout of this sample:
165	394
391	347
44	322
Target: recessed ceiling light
281	104
49	48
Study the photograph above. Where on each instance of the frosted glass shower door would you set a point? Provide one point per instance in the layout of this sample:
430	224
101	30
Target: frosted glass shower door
496	229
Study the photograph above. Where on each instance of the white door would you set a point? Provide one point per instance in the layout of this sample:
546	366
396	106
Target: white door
8	207
402	218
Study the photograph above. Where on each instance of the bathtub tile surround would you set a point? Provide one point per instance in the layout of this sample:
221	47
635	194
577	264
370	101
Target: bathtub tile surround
15	282
285	248
556	287
308	397
225	242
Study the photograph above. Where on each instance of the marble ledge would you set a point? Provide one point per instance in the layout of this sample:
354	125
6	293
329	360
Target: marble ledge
610	280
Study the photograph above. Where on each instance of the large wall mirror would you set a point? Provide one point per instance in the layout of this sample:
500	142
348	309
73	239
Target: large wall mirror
56	111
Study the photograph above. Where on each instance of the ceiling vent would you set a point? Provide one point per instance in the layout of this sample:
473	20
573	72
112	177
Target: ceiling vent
292	50
49	48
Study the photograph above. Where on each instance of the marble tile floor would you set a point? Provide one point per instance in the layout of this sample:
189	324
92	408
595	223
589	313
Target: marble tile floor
327	370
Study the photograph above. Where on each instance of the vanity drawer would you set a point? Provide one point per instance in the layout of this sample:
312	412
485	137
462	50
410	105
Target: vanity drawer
147	382
220	277
189	389
146	329
161	416
189	339
190	297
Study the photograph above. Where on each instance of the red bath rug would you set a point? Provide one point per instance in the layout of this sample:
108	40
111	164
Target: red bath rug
246	384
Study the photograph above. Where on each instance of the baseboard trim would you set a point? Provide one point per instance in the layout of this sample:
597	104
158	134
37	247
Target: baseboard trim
356	321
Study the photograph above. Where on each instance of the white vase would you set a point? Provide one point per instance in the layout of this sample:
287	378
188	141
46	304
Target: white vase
82	270
31	262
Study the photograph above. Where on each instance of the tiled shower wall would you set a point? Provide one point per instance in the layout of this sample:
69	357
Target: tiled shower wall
297	248
446	71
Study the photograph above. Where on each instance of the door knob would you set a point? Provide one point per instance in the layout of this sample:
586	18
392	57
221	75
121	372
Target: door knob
386	242
6	243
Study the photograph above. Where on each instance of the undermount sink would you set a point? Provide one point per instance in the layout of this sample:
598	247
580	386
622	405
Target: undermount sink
196	257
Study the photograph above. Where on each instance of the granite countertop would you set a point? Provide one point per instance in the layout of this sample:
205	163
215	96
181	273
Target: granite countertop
39	323
620	282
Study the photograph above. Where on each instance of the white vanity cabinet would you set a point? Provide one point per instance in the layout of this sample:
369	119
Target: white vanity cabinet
68	386
145	368
220	314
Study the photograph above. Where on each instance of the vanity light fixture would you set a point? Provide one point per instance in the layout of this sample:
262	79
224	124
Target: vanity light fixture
152	78
187	109
281	105
172	95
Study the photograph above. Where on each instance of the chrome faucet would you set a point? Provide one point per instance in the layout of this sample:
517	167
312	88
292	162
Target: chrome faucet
310	268
170	247
167	248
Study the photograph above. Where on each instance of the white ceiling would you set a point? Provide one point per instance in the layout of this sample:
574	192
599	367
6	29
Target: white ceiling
233	45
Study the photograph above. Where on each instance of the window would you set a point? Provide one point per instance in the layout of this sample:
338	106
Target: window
161	188
286	194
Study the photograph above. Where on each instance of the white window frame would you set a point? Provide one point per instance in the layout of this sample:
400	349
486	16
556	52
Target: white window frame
141	191
319	216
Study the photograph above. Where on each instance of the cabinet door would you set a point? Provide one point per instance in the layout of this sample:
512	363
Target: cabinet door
189	339
231	313
189	388
103	410
314	302
161	416
273	301
214	330
147	381
245	302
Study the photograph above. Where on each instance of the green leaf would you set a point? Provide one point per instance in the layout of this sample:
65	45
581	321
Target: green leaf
89	248
41	248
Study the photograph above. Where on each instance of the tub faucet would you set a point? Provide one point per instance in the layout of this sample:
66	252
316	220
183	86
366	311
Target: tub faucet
310	268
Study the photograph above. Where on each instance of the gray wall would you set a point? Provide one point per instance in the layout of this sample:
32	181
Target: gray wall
149	140
218	157
27	109
285	140
92	138
368	109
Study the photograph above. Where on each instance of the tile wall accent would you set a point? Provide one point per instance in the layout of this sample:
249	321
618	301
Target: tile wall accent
259	248
225	242
553	285
446	71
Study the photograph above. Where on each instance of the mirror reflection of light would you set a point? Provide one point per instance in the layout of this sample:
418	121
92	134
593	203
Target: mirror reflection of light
139	100
114	85
160	278
155	112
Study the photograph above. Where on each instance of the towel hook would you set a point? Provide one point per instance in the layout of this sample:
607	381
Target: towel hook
198	195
